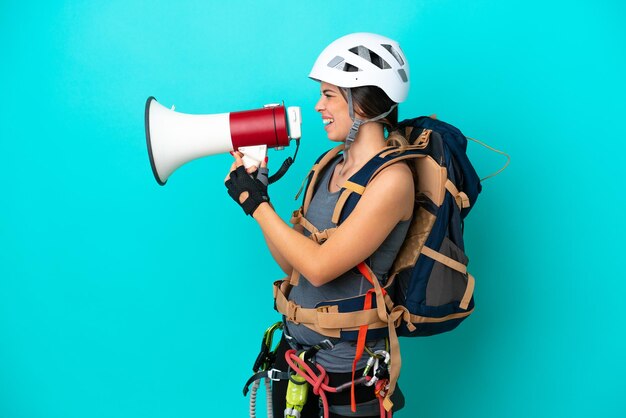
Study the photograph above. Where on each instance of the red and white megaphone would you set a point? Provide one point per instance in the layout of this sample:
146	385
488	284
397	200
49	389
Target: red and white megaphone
175	138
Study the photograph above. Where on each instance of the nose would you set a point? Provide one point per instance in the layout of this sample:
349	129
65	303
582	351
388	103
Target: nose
319	106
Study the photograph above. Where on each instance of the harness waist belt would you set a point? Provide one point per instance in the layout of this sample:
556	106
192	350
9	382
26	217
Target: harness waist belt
325	320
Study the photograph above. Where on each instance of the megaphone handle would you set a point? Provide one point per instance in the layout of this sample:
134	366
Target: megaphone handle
252	156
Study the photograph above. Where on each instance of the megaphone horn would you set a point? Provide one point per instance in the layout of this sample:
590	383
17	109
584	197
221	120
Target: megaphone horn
175	138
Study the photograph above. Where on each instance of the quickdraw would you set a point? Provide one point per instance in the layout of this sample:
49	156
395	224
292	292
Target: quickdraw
262	370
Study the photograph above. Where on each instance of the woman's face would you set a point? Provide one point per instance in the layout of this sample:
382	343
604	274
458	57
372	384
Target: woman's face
334	111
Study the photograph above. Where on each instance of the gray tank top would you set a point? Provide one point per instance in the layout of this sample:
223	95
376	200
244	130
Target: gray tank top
350	284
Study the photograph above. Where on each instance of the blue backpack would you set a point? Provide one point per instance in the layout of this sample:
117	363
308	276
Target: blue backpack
429	276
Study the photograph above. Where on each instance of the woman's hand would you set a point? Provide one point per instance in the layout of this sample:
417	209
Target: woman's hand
248	188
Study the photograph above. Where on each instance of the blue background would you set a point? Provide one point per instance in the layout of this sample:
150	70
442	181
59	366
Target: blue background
121	298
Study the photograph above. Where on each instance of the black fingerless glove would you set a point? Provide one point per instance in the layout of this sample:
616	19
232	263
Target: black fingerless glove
240	181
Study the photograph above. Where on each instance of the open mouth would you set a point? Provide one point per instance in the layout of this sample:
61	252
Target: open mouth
327	121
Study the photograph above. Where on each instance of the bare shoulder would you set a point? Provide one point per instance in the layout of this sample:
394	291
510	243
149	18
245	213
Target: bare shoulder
397	176
394	186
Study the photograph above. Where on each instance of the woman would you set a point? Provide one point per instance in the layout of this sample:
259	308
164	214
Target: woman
362	79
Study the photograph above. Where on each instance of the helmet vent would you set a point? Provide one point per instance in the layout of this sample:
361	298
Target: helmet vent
393	52
369	55
336	62
340	64
402	75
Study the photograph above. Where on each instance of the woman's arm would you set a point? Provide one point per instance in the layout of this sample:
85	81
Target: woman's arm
387	200
280	260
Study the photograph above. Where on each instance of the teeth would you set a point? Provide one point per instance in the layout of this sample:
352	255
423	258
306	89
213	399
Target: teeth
327	121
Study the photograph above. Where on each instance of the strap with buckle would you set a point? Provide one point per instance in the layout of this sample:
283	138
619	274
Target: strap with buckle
272	374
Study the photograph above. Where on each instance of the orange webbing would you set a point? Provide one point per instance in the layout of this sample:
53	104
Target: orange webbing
360	342
360	347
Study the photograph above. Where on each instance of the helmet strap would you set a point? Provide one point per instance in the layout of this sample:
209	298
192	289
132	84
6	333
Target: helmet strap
356	122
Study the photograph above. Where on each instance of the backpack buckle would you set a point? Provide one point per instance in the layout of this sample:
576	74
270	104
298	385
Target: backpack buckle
292	309
321	236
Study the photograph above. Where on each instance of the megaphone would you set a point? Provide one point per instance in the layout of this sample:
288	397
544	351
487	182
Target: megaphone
175	138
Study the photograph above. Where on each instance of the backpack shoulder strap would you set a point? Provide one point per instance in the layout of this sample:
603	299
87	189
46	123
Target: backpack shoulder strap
354	187
314	174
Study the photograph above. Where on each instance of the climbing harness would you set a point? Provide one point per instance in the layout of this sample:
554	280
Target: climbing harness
305	373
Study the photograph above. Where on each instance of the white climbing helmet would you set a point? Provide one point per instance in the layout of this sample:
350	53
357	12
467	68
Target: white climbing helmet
364	59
